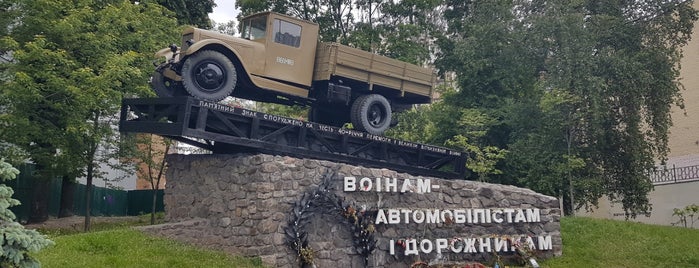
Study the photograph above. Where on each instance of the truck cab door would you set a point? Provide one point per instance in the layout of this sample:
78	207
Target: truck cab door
290	53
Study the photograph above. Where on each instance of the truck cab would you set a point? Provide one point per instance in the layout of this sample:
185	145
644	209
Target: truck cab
290	47
273	58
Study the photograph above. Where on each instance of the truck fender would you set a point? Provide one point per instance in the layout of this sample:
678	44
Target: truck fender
199	45
206	42
168	54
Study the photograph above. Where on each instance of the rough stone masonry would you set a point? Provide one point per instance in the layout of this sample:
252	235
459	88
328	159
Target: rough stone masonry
244	203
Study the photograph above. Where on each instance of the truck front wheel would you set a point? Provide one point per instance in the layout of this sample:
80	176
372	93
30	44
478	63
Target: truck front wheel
371	113
165	87
209	75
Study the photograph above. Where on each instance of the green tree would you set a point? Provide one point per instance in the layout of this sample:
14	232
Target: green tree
447	125
148	152
195	13
72	64
407	29
249	7
619	62
544	153
227	28
581	90
296	112
16	241
37	113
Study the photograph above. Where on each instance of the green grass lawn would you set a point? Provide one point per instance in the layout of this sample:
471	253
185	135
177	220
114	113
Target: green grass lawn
586	243
608	243
116	244
125	247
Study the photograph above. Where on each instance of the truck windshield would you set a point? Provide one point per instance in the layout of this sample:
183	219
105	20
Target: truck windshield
255	28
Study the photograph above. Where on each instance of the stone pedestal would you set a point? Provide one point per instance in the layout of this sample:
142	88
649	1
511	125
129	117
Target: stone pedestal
247	205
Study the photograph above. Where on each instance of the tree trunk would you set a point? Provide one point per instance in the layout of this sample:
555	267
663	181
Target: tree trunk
41	192
88	196
152	209
155	185
560	205
570	195
90	172
67	197
569	139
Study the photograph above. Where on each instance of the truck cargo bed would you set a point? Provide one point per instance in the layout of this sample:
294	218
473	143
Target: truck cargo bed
336	60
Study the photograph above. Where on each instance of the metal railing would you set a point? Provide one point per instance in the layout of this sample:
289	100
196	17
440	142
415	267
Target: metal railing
668	175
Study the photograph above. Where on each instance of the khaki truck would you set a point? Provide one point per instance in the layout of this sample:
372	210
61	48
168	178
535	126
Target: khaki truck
278	59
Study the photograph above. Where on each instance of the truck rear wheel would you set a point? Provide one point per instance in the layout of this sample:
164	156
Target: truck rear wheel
209	75
371	113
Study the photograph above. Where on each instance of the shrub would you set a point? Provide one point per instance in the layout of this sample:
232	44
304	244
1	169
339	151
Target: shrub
690	212
16	241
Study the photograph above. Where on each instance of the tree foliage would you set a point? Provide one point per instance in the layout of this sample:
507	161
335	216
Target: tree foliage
16	241
72	62
227	28
191	12
582	89
455	127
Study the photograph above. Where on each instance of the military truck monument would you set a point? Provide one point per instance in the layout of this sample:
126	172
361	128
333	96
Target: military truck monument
315	194
279	60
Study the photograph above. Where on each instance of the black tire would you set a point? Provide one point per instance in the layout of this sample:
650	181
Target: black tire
209	75
325	117
165	87
371	113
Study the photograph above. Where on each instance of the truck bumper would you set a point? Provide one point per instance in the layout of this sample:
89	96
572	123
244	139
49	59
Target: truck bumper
169	57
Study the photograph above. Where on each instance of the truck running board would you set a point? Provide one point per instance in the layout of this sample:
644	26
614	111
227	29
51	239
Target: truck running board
225	130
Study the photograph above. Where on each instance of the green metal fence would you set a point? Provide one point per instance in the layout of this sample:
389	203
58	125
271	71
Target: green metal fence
140	202
105	201
23	187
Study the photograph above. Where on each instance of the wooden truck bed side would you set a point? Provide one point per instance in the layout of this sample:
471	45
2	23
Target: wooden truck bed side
334	59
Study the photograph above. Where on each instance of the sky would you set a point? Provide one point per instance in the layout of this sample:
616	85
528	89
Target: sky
224	11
